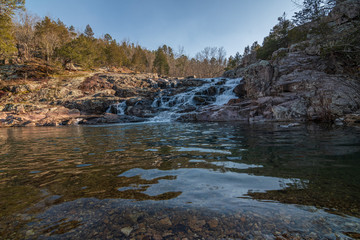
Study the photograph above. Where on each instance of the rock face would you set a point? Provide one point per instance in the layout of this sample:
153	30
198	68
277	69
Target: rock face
302	85
79	99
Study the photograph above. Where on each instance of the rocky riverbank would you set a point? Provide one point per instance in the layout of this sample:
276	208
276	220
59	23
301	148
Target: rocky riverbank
308	81
83	98
95	97
302	82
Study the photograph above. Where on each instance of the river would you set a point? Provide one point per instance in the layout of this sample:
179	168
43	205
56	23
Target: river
180	180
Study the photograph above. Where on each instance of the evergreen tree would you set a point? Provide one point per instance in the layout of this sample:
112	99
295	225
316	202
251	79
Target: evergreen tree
7	41
278	38
313	9
72	32
160	64
81	50
181	65
49	36
139	60
246	51
7	7
168	51
254	47
88	31
114	55
72	28
235	61
108	38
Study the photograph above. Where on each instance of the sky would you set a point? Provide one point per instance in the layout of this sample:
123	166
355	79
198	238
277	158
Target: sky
191	24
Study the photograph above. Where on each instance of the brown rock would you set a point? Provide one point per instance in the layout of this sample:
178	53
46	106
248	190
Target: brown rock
213	223
166	222
95	83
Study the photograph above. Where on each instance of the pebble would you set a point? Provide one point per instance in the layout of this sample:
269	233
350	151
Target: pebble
166	221
30	233
126	231
213	223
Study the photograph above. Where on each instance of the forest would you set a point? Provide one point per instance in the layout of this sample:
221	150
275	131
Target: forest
26	37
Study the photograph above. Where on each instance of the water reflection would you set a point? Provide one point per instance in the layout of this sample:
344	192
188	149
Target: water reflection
214	189
208	167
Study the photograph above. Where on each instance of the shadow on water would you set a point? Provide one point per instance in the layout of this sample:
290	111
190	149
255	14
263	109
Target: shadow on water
213	180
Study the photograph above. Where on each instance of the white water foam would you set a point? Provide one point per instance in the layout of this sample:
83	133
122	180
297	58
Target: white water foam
120	108
228	94
213	92
171	107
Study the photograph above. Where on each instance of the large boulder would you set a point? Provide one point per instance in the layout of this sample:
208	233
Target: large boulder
257	78
95	83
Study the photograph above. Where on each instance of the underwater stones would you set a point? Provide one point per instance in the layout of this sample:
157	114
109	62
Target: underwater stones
126	231
213	223
165	222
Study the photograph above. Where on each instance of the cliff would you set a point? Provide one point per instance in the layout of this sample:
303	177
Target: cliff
317	79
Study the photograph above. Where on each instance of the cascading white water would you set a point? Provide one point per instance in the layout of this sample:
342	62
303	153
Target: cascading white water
119	108
212	92
216	91
228	94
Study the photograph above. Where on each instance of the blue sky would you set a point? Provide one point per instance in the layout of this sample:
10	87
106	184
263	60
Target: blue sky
193	24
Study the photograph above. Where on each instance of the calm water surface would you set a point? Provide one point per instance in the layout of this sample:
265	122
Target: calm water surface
177	180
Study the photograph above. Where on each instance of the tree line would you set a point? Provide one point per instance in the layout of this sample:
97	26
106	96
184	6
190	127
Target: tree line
29	37
24	37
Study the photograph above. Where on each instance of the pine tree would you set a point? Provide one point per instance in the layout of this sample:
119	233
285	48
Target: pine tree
7	44
246	51
108	38
278	38
72	28
50	35
81	50
160	64
7	7
313	9
88	31
7	10
254	47
72	32
139	60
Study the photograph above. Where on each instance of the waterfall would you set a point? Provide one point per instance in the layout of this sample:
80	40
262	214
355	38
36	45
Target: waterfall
228	94
119	108
192	96
213	92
